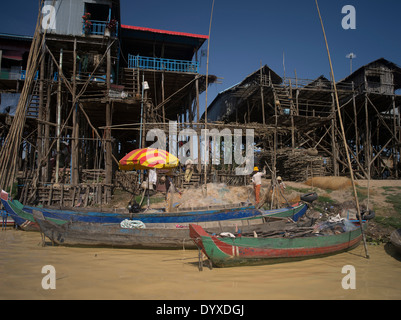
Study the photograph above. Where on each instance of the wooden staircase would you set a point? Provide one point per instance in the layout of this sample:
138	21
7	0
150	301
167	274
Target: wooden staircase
130	80
284	100
32	109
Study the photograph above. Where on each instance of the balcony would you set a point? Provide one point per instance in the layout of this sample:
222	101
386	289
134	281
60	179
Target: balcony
97	28
162	64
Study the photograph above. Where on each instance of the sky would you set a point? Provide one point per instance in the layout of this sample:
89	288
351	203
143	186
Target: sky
246	34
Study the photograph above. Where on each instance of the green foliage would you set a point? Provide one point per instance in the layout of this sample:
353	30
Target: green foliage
151	199
394	222
393	196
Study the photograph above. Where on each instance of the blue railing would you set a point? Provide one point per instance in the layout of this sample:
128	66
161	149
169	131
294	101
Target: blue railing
162	64
23	75
97	28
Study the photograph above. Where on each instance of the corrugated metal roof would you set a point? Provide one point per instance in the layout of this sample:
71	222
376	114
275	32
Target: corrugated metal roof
174	33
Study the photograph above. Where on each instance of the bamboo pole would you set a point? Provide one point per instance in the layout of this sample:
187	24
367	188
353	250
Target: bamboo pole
261	94
75	133
58	117
343	132
207	78
9	151
109	150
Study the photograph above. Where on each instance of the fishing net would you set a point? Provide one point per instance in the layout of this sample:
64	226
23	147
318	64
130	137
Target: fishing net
217	194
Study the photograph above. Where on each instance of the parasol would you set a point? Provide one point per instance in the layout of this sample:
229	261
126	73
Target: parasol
148	158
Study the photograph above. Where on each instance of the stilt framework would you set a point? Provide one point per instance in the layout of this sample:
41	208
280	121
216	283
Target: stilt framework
61	147
300	127
85	103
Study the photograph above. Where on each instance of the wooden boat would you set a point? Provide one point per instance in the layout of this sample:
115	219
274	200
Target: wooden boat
235	211
395	239
152	235
22	219
14	208
294	212
244	250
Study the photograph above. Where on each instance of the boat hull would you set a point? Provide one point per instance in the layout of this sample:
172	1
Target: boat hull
24	213
22	219
395	239
182	217
194	216
25	220
166	236
225	252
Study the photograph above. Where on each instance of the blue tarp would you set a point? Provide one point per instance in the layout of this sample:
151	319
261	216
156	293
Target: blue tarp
9	103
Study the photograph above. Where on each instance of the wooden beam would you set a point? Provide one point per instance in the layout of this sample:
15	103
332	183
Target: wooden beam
75	124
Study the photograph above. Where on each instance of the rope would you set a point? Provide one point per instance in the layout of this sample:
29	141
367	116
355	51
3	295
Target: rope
132	224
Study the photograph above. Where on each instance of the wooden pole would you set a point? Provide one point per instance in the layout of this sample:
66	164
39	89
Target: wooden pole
395	160
59	115
367	140
343	133
199	139
39	143
355	123
74	143
164	112
207	78
109	159
333	140
48	168
261	94
399	132
10	149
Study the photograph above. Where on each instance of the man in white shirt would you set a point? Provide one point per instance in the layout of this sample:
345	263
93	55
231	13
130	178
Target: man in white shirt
257	182
153	178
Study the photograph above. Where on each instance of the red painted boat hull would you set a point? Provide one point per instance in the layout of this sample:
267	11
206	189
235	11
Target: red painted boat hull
244	250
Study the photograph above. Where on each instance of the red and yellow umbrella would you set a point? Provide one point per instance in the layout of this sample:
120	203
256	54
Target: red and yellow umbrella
148	158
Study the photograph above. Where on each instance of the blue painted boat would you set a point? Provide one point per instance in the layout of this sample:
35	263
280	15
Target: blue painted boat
15	208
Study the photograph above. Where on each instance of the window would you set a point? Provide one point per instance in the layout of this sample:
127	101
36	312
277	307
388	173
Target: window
373	79
99	12
373	83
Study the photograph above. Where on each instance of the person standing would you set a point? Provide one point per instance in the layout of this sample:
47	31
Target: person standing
257	182
188	170
152	178
281	183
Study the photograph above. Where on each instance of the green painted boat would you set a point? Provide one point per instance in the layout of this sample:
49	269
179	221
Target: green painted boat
246	250
23	219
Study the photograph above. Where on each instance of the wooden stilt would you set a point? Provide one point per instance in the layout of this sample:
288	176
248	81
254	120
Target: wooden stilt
343	133
109	152
74	143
